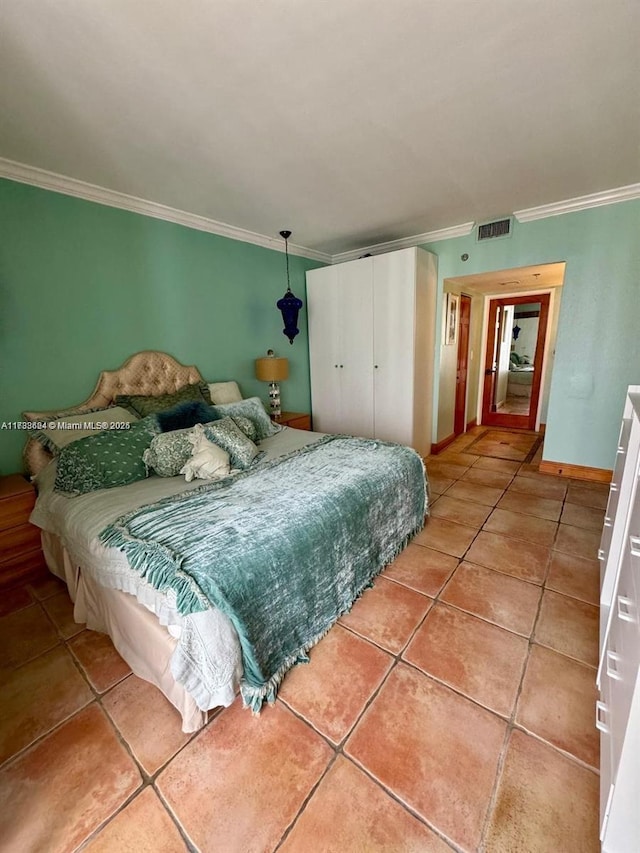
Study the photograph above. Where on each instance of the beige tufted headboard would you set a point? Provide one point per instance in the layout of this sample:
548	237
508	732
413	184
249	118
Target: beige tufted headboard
148	372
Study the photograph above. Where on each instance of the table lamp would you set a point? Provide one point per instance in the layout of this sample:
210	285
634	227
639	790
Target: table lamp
271	369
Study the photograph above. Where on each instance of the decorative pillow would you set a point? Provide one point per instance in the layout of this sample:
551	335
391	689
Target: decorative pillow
227	435
224	392
186	415
145	404
246	425
253	409
111	458
168	452
64	430
207	461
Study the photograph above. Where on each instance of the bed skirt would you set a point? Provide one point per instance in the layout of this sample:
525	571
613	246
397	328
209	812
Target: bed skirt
136	633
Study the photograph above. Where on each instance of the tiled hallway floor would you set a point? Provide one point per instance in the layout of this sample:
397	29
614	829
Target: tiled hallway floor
452	709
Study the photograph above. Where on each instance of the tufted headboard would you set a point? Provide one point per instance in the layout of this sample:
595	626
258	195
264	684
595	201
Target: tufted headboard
148	372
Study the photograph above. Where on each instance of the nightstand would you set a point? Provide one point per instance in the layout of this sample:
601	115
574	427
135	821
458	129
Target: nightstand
297	420
20	552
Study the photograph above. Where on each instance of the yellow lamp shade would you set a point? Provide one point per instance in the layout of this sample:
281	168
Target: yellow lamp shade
271	369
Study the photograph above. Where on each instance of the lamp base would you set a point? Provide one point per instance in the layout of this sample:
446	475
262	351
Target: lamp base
274	400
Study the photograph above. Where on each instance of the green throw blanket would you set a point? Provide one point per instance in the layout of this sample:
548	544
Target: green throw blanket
283	549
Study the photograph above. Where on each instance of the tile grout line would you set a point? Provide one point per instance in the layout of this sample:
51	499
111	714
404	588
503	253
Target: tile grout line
147	780
574	759
311	793
543	586
397	658
511	722
410	809
190	845
43	735
337	750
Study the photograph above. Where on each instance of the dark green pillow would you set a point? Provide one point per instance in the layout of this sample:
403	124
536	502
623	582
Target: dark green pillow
146	404
112	458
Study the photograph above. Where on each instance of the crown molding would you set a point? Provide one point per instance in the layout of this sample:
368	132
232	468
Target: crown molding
583	202
22	173
406	242
25	174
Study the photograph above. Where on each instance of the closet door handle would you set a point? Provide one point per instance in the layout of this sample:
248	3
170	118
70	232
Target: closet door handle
612	661
602	716
634	541
626	609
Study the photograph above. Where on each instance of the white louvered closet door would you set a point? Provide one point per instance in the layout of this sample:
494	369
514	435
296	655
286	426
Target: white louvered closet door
394	282
355	298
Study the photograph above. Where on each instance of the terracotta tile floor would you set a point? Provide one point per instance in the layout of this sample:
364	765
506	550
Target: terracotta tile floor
452	709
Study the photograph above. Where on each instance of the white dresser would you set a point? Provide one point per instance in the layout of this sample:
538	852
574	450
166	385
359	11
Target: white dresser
618	709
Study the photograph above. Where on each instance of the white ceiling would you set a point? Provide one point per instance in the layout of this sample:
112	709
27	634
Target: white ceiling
517	280
351	122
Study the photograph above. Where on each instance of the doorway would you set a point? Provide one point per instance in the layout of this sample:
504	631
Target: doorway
459	420
514	356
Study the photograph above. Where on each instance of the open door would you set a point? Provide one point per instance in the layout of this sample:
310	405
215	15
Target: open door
513	360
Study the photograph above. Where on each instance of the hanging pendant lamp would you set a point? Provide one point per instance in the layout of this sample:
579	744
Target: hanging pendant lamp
289	305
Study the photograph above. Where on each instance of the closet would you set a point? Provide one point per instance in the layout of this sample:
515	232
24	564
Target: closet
371	346
618	708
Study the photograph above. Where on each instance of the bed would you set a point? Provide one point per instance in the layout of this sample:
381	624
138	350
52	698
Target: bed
196	582
520	379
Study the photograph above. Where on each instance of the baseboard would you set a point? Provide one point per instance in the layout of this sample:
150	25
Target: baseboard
472	423
577	472
440	446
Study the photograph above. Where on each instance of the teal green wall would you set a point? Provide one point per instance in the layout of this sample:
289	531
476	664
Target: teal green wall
84	286
598	342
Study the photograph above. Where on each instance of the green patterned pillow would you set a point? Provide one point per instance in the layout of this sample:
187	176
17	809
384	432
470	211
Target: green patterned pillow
145	404
255	411
228	435
169	452
112	458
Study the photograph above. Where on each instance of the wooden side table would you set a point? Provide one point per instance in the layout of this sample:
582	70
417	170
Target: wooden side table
21	556
297	420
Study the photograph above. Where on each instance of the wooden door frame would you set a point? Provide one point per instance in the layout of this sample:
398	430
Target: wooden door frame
515	421
460	412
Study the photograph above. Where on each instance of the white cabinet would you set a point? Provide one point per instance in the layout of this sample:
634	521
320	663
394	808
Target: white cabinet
618	708
371	347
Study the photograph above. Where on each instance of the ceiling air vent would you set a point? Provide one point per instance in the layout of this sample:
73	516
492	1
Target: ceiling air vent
490	230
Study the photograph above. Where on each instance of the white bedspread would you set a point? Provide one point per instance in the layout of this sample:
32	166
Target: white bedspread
207	660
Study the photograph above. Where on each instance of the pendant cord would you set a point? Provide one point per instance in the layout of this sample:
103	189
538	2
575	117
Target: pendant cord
286	252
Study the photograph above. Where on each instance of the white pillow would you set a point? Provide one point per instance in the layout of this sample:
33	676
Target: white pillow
208	461
224	392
